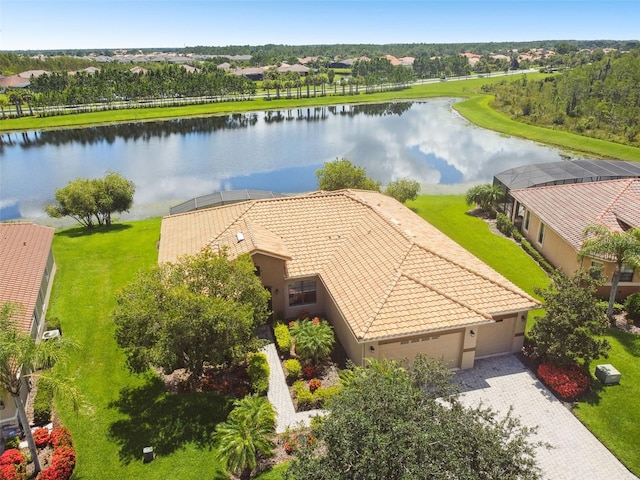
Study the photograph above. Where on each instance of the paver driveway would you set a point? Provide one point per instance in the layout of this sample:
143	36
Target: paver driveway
501	382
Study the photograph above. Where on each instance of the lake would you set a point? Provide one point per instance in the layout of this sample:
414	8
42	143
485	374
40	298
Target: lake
173	161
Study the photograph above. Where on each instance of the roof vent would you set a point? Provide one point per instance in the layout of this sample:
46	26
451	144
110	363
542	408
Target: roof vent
240	236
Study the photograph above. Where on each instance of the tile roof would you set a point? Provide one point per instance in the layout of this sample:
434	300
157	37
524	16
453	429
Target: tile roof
568	209
24	250
390	272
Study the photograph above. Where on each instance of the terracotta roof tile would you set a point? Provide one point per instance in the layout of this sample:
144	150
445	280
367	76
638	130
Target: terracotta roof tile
389	271
581	204
24	250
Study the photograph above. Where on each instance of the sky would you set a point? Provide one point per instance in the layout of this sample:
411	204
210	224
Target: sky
110	24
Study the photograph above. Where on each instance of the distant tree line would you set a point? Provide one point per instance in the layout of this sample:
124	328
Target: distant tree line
600	99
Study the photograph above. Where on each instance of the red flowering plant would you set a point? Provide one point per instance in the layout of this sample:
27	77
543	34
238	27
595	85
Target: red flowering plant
11	457
309	372
63	462
568	382
11	472
61	437
41	437
314	384
12	465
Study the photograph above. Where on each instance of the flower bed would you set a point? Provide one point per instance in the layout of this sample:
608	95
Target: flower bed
568	383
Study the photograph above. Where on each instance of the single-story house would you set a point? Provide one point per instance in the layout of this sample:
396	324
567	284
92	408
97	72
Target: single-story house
27	268
390	284
253	73
554	218
14	81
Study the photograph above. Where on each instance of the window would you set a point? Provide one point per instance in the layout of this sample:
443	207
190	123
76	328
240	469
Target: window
596	270
541	234
626	273
527	219
302	293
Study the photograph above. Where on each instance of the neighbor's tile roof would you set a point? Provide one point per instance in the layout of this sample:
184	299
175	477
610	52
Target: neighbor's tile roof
568	209
390	272
24	250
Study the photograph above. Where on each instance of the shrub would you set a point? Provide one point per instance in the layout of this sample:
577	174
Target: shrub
313	339
13	465
298	387
283	337
314	384
325	394
292	369
61	437
536	255
41	437
505	225
11	442
62	464
305	399
11	457
567	382
617	307
309	371
632	305
517	236
258	371
42	403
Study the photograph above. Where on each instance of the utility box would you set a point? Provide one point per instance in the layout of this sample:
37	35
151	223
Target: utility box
147	454
607	374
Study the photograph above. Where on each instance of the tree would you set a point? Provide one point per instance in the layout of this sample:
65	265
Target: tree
245	434
313	339
568	333
21	356
201	309
342	174
382	426
114	195
485	196
83	199
403	189
622	247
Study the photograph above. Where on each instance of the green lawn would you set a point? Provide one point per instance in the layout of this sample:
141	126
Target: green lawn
612	413
123	413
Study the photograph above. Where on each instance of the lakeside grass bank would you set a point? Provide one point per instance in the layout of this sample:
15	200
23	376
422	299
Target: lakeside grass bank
475	106
123	413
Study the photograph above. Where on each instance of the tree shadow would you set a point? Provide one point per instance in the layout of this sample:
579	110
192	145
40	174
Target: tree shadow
165	421
80	231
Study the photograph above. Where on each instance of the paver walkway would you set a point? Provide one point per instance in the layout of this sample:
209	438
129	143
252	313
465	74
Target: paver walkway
279	396
501	382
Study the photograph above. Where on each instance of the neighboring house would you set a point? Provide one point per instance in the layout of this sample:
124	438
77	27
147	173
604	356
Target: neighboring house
254	73
554	219
27	268
14	81
391	284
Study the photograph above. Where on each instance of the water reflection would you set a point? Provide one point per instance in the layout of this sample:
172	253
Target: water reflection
172	161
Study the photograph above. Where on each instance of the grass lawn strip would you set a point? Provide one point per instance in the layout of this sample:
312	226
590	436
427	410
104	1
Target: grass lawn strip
122	413
612	413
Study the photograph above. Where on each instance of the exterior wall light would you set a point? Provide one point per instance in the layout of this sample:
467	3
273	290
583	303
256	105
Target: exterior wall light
472	333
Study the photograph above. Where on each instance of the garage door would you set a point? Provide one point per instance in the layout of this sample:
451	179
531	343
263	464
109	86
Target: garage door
495	338
446	345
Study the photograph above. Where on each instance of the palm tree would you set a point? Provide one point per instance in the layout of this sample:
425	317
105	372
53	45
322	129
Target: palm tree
246	433
313	339
486	196
20	353
621	247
